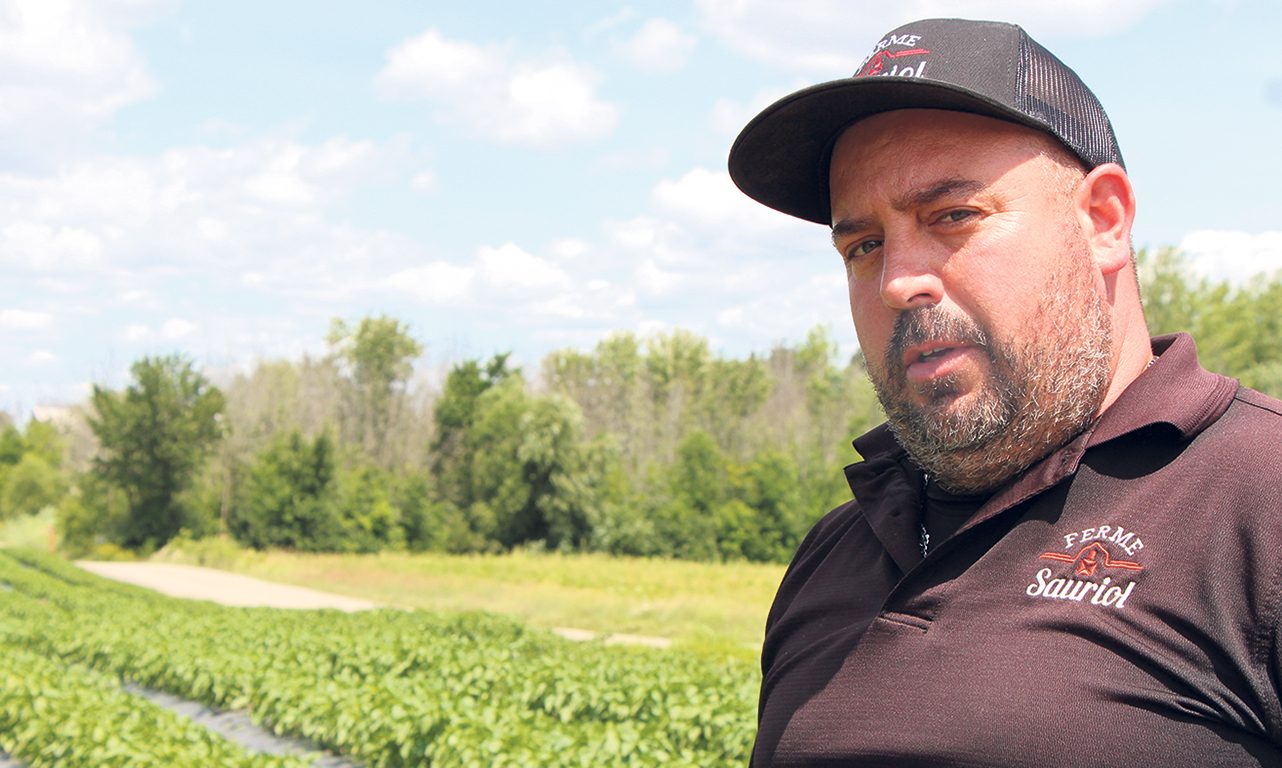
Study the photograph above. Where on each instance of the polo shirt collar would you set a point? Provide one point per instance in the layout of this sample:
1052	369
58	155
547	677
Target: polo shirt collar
1174	390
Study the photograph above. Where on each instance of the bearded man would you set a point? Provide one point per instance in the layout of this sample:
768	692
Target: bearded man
1065	544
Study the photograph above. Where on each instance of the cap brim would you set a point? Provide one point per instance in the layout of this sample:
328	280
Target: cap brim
781	158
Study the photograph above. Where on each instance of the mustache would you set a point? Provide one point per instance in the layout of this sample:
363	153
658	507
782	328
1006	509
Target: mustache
917	326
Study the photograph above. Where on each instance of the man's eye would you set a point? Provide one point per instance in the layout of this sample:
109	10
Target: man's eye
862	248
956	216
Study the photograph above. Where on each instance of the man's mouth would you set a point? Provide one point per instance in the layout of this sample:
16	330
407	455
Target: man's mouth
932	361
925	353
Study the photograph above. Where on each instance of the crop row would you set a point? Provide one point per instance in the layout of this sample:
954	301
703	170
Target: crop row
55	714
391	688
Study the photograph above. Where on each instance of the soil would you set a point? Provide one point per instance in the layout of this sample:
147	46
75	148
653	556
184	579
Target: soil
198	583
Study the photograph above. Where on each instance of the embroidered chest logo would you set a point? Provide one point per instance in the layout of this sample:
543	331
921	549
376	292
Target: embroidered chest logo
1095	567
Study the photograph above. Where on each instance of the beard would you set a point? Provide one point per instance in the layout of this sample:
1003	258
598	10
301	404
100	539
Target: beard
1041	390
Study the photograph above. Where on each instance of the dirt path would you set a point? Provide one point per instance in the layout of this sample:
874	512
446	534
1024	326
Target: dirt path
197	583
227	588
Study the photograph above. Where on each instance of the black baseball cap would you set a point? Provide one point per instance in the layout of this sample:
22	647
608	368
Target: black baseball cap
987	68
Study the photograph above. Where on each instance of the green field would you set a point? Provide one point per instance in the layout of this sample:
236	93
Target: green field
711	607
388	687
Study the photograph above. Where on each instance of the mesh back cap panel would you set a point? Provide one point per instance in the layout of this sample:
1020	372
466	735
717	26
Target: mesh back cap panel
988	68
1054	94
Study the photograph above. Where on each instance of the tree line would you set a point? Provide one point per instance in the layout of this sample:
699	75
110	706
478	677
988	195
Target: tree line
640	446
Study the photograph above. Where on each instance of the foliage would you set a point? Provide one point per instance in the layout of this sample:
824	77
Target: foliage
654	446
153	437
30	486
388	688
31	532
527	458
366	517
63	715
1238	329
377	355
287	497
89	516
454	413
31	475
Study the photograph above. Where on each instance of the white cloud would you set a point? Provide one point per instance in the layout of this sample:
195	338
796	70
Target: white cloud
255	207
655	280
659	46
541	102
570	250
176	328
1233	256
212	229
292	175
711	198
596	300
510	269
21	319
613	21
791	307
41	357
730	116
832	37
437	283
49	246
423	181
429	64
66	64
136	332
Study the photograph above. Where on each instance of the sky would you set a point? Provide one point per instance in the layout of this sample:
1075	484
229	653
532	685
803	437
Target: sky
222	179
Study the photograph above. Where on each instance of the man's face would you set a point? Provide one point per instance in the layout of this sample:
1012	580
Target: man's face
976	300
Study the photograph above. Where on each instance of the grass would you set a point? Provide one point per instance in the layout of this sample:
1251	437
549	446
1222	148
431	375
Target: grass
28	531
711	607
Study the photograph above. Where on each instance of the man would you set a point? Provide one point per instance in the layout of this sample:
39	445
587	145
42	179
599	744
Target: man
1065	546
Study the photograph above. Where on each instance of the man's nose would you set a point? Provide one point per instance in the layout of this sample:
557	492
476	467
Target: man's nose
910	276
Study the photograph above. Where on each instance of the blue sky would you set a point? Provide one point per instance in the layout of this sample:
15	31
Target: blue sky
222	179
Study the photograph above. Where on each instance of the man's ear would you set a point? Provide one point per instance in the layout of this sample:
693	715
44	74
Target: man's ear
1105	207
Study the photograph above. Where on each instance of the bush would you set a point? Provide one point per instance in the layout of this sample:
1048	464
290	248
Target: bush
30	486
91	514
286	498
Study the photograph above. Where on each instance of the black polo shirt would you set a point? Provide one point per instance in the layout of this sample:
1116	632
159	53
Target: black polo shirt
1115	605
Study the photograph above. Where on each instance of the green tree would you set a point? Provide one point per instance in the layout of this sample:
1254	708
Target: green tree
152	438
618	519
366	516
696	491
770	487
1238	328
528	467
285	499
41	438
454	413
12	446
378	356
91	514
30	486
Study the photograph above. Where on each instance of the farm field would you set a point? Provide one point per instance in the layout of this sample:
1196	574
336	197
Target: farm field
387	688
717	608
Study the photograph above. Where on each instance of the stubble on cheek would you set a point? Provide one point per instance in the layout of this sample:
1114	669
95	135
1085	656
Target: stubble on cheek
1035	394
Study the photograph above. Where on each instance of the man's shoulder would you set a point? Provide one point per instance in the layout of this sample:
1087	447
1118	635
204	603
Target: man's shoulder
1258	405
1252	420
831	525
1243	447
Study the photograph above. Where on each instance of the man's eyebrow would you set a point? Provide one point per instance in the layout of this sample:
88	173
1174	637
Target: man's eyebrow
911	199
848	226
927	195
